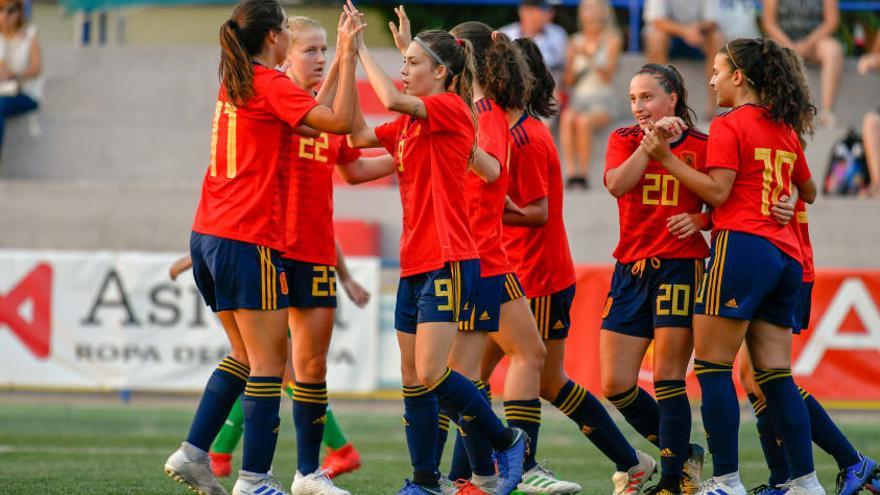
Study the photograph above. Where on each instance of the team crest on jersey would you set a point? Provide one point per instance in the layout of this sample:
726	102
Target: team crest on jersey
690	158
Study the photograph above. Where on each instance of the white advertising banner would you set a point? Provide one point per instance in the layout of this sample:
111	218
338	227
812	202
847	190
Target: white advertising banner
114	320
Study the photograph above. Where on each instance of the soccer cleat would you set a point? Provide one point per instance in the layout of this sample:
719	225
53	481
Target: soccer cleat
796	487
540	480
510	463
317	483
713	486
657	490
257	484
221	464
631	481
193	470
343	460
874	484
465	487
852	479
691	473
766	489
447	486
410	488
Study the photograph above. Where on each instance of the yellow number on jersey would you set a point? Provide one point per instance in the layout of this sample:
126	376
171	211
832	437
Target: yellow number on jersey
323	275
443	288
774	169
317	146
666	185
232	118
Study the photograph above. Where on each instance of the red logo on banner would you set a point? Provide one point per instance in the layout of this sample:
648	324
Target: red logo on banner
35	288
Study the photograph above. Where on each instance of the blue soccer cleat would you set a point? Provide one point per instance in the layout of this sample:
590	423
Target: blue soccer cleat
873	486
510	463
855	477
410	488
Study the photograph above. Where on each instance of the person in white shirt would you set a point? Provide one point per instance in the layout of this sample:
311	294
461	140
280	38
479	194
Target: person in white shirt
683	29
21	83
536	22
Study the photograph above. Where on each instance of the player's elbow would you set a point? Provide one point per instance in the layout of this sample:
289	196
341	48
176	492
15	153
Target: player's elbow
716	197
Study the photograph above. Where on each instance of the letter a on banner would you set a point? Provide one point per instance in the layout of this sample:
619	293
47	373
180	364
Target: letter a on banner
829	335
36	289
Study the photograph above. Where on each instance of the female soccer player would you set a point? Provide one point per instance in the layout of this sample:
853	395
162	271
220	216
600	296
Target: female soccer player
655	278
433	142
238	234
754	158
537	246
855	469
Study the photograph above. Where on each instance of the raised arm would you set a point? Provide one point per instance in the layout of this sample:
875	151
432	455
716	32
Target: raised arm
367	169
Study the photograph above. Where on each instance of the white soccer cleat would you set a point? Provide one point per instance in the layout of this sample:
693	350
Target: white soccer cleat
805	485
714	486
316	483
540	480
632	481
192	467
257	484
447	487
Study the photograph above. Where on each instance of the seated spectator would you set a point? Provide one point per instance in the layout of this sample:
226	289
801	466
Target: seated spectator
683	29
20	68
591	62
871	122
737	19
807	27
536	22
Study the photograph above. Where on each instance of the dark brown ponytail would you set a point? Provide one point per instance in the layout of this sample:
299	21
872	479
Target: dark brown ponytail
776	75
540	101
241	37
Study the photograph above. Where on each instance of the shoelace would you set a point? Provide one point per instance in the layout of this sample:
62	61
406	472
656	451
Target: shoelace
759	489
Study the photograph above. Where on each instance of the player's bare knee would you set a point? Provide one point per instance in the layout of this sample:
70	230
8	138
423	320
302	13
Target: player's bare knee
313	370
612	385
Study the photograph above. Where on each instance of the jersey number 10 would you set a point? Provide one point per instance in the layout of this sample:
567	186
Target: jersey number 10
776	176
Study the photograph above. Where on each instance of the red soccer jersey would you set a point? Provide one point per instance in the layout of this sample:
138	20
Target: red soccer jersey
486	201
432	160
658	195
310	200
245	187
539	255
766	156
801	225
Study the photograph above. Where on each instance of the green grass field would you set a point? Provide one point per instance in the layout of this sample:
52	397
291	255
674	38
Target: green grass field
89	447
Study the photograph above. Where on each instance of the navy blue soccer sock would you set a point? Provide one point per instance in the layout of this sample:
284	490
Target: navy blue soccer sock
526	415
590	415
827	435
442	434
790	418
309	417
459	395
640	411
720	412
260	403
675	430
421	421
773	452
223	388
476	449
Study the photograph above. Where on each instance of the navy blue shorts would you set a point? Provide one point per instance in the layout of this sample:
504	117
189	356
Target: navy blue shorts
802	311
444	295
311	285
490	293
747	278
237	275
678	48
553	313
652	293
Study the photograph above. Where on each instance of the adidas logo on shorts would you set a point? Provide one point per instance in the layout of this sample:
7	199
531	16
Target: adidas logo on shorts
731	304
484	316
558	325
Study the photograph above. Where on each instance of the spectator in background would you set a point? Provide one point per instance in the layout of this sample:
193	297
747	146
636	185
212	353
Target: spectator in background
807	27
20	66
737	19
591	62
683	29
871	121
536	22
